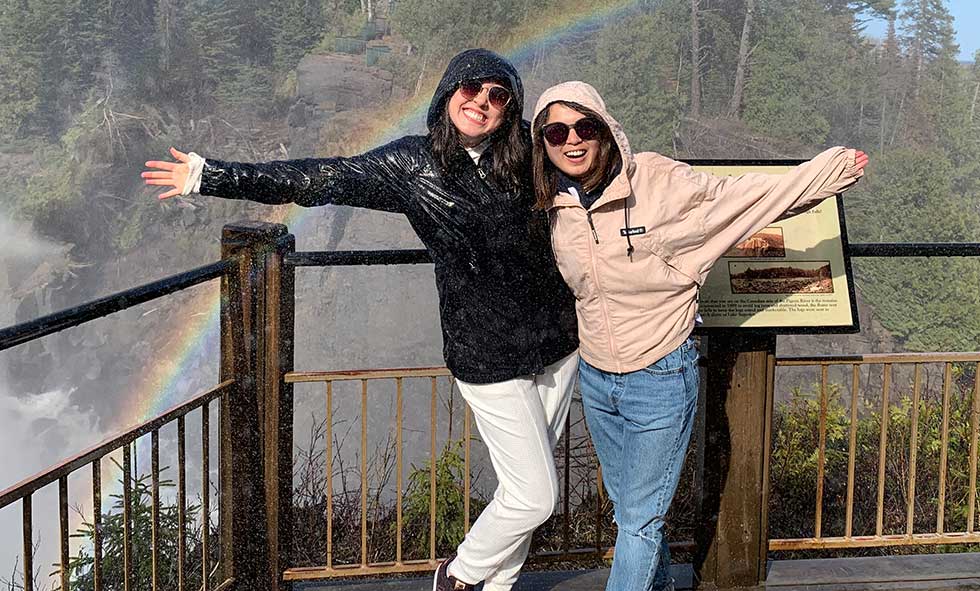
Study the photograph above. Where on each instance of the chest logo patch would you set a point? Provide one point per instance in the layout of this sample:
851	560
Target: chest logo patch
633	231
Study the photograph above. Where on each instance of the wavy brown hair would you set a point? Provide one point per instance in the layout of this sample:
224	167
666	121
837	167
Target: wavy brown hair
508	145
604	169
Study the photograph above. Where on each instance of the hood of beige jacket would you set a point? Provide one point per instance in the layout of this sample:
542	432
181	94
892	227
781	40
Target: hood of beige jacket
634	307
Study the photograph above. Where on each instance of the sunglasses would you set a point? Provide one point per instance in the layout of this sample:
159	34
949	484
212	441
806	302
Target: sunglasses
498	96
586	128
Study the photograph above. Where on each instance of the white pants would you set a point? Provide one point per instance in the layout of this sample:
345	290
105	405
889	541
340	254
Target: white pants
520	421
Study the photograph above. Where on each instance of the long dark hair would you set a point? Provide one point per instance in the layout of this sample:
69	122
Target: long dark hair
508	147
604	169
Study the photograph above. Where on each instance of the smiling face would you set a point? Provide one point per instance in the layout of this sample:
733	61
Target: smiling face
575	157
475	119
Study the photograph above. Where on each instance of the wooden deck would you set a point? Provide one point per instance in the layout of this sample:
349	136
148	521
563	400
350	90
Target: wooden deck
927	572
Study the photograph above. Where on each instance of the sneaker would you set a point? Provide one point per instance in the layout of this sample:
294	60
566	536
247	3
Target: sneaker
443	581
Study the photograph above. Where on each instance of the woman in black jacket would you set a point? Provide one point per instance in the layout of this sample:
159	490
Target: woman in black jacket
508	320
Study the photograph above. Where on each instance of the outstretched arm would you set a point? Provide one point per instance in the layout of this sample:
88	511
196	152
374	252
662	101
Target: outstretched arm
734	208
377	179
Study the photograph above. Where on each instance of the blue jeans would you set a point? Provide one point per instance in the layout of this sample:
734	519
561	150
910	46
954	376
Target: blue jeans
640	424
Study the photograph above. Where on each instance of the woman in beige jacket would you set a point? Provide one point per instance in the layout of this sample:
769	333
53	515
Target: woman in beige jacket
635	235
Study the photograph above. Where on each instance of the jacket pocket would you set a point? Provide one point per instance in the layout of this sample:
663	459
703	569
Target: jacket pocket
660	249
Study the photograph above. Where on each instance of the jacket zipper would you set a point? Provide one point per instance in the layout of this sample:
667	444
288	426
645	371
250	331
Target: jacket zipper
595	234
602	299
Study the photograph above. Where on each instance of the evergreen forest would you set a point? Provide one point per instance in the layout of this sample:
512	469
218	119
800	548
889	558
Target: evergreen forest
91	88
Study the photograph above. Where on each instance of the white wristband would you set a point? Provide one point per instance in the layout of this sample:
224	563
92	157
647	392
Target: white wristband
195	168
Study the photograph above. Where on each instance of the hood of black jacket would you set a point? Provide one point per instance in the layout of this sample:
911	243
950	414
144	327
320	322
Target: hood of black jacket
474	64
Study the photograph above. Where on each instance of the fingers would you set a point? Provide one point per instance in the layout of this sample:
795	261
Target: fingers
169	194
152	174
179	155
161	182
860	159
161	165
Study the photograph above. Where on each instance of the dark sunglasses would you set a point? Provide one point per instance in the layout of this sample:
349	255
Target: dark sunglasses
498	96
586	128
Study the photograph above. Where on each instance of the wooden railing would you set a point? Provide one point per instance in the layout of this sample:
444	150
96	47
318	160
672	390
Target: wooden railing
94	457
255	395
887	364
435	381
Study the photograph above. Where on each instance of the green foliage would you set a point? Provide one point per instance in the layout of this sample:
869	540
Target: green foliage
450	473
648	101
100	83
141	515
440	28
794	466
798	70
298	27
927	302
20	75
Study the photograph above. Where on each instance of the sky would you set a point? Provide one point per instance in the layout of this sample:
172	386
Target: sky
967	21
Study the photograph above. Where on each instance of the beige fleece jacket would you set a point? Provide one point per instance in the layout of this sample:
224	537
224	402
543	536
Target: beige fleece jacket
633	310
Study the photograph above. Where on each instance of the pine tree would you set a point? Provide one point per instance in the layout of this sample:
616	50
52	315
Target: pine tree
800	83
297	28
648	100
20	74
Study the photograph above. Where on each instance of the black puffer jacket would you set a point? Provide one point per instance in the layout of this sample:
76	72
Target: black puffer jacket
505	310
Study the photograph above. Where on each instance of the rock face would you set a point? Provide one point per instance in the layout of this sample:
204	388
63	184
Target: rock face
327	85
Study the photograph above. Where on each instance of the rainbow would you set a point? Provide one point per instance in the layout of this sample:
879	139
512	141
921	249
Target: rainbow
196	338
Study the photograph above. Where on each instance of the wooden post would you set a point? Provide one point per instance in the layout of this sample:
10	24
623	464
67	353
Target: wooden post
734	536
278	436
256	416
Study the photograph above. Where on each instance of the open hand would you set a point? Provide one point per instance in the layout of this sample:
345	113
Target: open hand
168	174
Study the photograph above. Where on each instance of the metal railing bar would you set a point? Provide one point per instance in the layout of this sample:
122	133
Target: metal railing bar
879	358
311	573
97	539
337	258
882	447
127	518
364	481
28	519
851	451
944	450
914	249
155	509
821	452
974	435
100	450
181	504
468	437
344	258
873	541
369	374
600	491
329	467
52	323
63	531
205	495
913	449
566	475
399	404
432	476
